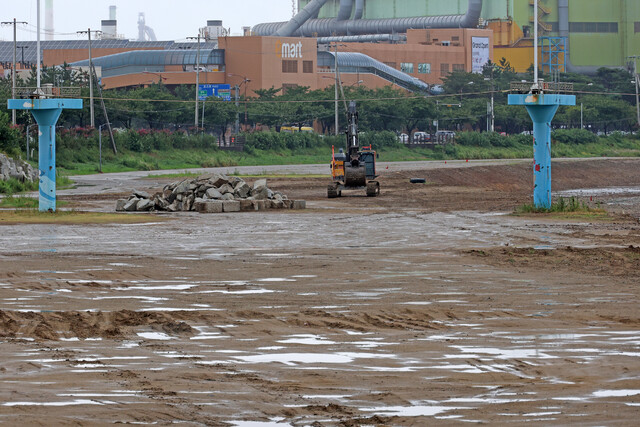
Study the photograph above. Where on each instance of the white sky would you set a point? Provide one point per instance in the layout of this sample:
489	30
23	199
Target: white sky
170	19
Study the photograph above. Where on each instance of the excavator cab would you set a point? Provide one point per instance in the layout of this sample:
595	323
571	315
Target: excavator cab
355	168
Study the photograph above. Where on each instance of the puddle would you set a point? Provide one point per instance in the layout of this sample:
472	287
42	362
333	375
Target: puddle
616	393
154	336
68	403
411	411
306	340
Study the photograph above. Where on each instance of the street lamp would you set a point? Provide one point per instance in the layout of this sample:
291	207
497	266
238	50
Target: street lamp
197	75
100	143
245	81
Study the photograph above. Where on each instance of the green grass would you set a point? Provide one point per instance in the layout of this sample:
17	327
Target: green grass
572	208
22	202
82	161
13	186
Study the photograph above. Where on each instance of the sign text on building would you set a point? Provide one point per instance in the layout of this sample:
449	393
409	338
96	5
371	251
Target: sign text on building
289	50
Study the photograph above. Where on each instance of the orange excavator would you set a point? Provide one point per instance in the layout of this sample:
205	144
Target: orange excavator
355	168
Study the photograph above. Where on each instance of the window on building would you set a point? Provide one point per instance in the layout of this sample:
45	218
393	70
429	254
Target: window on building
636	26
289	66
424	68
307	67
391	64
458	67
406	67
444	69
593	27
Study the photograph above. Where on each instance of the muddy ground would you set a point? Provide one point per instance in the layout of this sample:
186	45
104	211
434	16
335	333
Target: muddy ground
428	305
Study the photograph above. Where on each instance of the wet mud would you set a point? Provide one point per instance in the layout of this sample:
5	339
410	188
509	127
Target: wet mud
428	305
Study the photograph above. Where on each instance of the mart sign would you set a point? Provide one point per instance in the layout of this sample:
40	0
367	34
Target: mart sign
289	50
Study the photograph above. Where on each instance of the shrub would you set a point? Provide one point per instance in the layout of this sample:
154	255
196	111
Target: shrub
573	136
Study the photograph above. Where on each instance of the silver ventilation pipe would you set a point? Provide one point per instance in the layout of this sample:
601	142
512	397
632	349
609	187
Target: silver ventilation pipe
563	29
333	27
359	10
346	7
289	28
366	38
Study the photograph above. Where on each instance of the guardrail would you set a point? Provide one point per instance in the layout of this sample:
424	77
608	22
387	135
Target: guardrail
48	92
525	87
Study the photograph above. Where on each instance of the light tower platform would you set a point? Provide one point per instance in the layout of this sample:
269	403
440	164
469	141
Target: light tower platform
46	111
542	107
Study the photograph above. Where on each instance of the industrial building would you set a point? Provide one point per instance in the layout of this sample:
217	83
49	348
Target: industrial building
411	44
593	33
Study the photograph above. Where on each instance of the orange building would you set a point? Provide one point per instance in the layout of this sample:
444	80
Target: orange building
415	62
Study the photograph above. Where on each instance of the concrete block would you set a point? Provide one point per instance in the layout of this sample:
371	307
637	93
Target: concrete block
211	206
288	204
276	204
231	206
299	204
247	205
259	205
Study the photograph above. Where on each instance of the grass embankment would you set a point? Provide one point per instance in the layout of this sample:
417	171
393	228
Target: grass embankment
203	158
73	218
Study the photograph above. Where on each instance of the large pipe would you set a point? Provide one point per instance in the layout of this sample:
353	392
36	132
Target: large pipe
346	7
333	27
367	38
563	30
359	10
287	29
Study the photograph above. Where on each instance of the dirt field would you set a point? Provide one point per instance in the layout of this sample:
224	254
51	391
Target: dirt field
428	305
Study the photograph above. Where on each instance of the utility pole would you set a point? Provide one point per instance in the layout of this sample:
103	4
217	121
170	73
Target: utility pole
637	81
13	71
237	129
197	75
88	32
535	44
337	120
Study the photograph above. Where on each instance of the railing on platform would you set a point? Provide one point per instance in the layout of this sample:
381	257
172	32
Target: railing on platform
554	87
48	92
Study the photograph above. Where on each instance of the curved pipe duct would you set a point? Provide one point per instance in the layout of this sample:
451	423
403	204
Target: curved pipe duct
288	28
563	29
333	27
359	10
346	7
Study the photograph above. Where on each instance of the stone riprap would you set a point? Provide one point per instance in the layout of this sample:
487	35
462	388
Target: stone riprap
211	193
17	169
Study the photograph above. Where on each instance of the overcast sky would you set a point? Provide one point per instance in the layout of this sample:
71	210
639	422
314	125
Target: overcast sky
170	19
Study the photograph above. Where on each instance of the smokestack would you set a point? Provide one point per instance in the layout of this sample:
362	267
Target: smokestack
48	20
112	13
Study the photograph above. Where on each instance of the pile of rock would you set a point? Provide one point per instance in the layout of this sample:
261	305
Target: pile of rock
17	169
212	193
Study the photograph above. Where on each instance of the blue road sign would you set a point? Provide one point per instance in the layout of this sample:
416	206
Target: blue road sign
214	90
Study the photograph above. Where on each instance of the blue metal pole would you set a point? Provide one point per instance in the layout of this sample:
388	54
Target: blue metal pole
46	112
47	120
542	108
542	116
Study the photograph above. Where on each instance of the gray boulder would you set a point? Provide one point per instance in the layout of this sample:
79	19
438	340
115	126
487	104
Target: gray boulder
144	205
213	193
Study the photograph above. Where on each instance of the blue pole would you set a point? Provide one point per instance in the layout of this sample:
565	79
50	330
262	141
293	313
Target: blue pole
542	108
542	116
46	112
